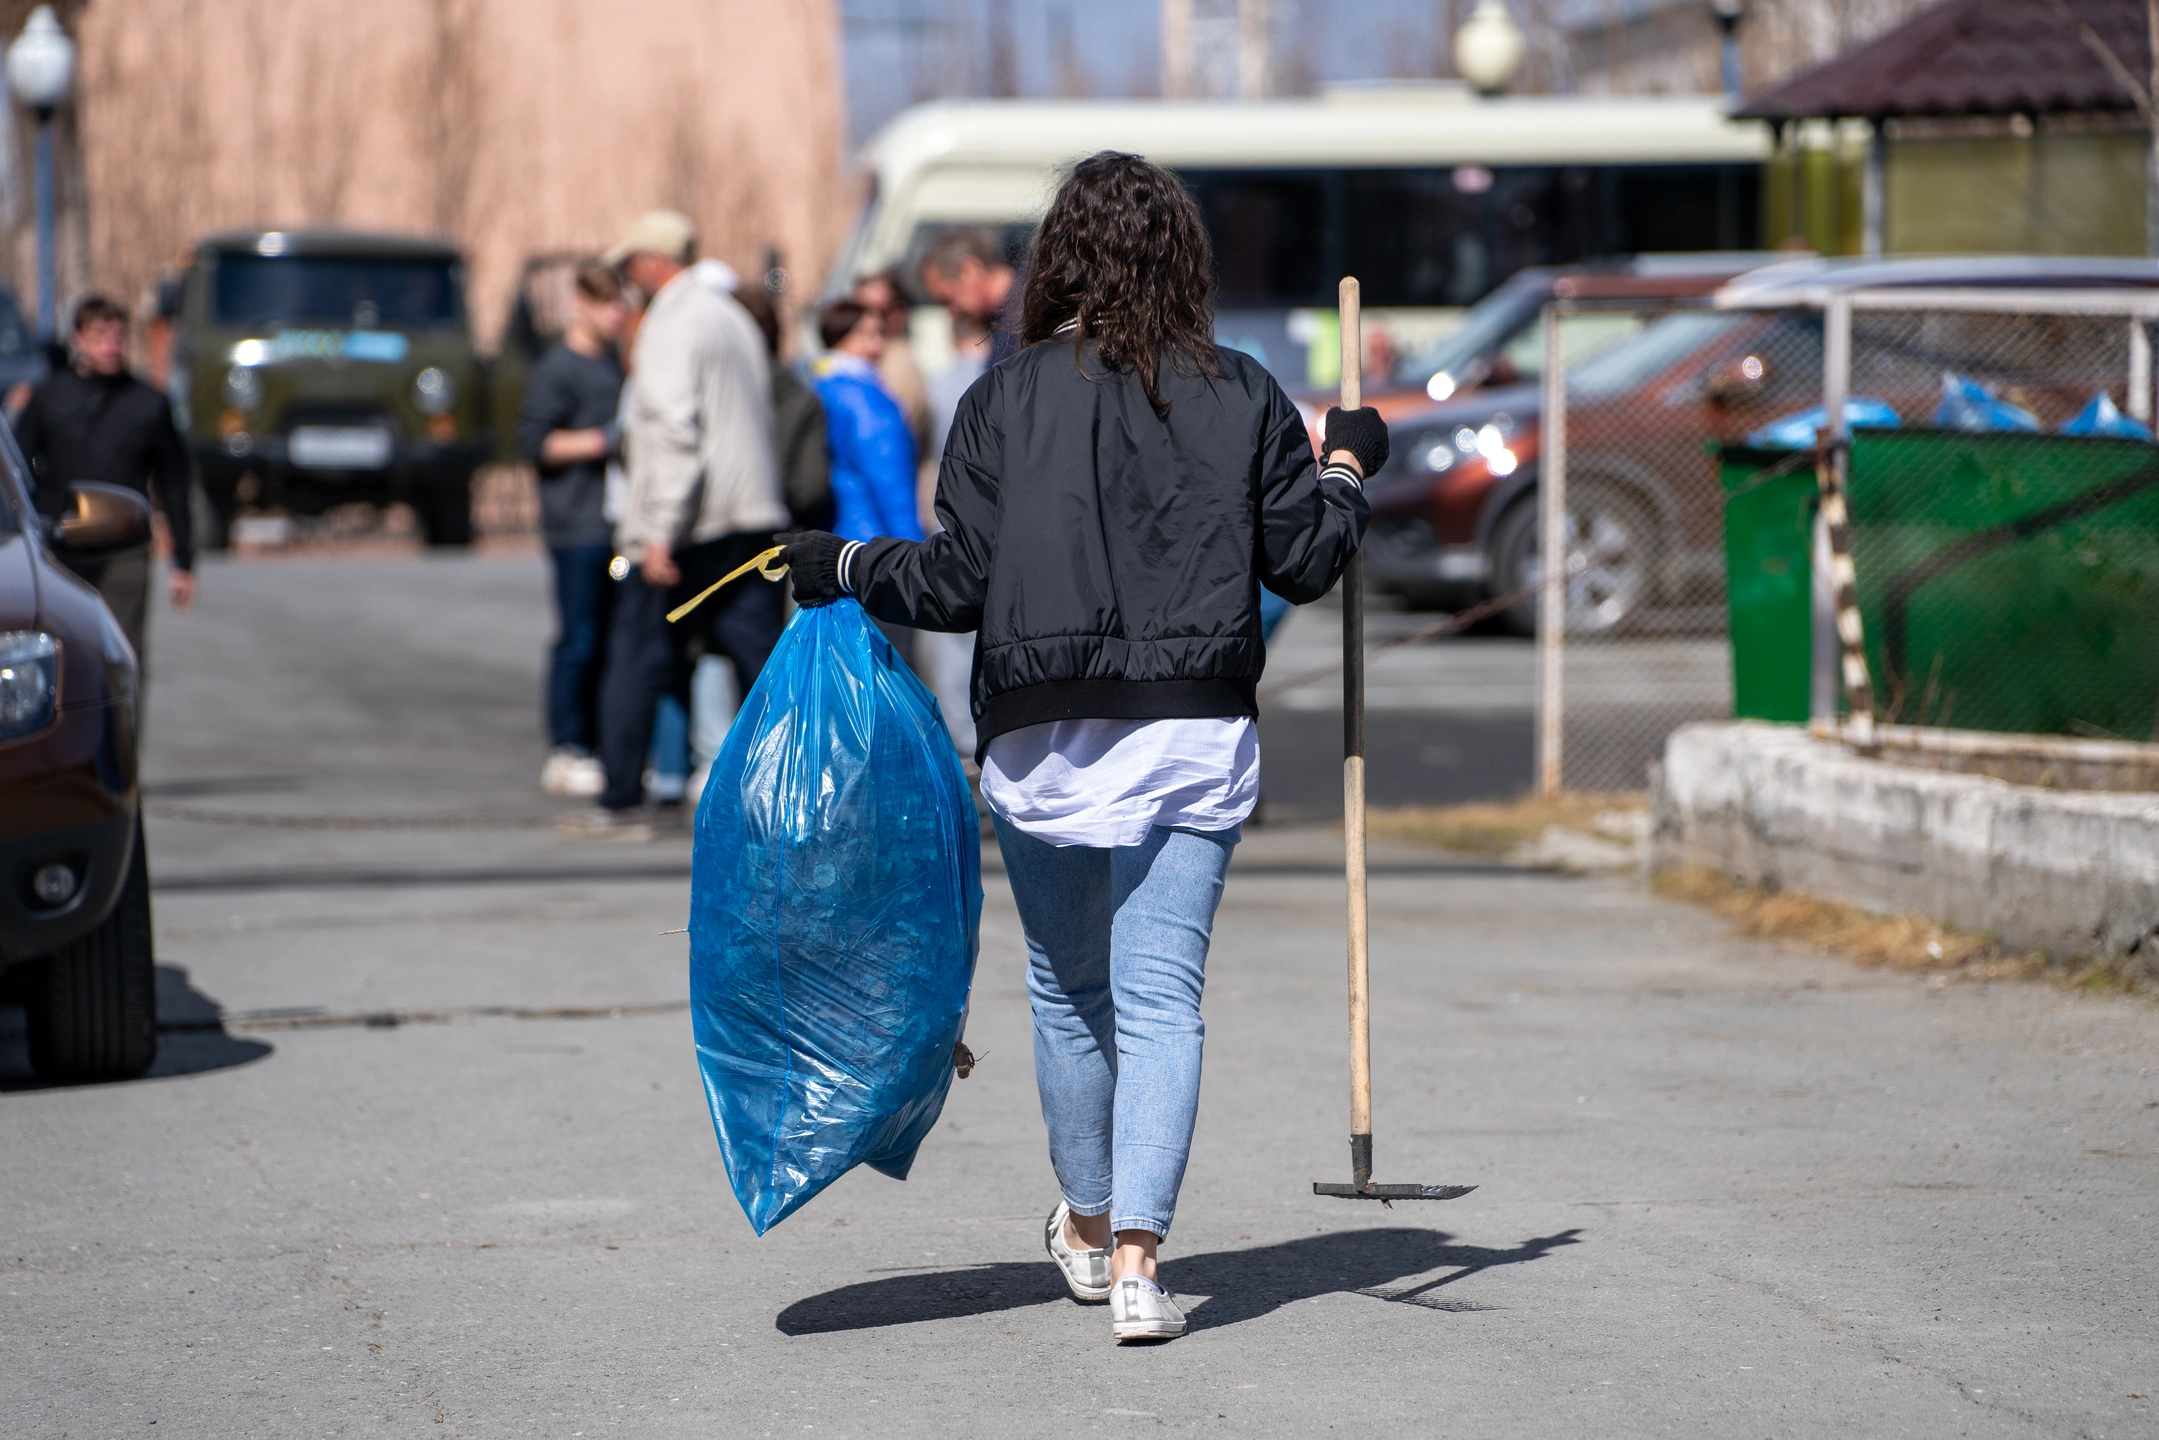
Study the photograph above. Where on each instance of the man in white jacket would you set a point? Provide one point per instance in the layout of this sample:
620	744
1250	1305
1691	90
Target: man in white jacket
703	496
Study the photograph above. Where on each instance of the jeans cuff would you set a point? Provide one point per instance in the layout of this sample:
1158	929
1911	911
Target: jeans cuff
1086	1211
1157	1228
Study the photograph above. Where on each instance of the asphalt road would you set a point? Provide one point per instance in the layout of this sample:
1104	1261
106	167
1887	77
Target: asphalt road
1724	1188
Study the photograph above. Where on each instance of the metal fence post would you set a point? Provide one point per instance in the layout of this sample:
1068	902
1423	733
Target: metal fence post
1836	517
1552	563
2140	369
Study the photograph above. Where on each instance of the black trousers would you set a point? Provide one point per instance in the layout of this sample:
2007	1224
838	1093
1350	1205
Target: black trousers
647	657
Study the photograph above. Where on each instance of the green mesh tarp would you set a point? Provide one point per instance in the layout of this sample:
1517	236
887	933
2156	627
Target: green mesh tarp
2009	582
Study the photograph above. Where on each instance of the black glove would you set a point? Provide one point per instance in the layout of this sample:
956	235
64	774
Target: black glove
1362	433
813	564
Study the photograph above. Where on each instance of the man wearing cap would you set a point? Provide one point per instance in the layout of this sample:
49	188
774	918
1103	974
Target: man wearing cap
703	496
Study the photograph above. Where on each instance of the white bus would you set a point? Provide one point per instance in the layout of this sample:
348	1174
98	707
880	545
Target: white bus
1429	195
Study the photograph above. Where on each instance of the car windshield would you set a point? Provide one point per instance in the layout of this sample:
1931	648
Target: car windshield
366	291
1660	345
1486	327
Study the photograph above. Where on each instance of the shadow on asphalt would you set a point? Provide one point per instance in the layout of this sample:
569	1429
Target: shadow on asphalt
1240	1284
191	1038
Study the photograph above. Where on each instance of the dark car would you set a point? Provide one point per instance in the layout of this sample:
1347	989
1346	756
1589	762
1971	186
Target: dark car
1454	514
74	884
320	368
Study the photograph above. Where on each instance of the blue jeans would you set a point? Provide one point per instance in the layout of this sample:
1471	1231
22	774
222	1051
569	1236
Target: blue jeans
582	593
1116	959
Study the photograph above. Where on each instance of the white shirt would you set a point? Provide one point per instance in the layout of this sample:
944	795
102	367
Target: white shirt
1107	782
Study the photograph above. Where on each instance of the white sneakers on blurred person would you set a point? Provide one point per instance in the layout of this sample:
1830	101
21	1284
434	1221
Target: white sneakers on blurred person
571	772
600	823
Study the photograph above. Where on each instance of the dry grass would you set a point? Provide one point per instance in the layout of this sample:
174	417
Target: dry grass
1898	942
1501	828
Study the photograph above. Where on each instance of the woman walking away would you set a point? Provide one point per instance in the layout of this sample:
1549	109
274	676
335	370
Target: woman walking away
1113	497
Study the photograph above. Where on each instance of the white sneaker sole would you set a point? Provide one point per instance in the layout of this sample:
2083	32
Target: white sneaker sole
1146	1329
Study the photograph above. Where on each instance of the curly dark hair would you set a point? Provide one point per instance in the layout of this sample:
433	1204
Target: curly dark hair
1122	252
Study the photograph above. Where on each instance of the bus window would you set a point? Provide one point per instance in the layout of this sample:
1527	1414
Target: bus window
1270	235
1446	236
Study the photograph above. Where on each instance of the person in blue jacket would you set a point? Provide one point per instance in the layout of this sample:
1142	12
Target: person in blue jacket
873	452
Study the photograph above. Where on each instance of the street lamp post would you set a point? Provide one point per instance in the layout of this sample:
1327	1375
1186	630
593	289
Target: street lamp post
41	71
1728	13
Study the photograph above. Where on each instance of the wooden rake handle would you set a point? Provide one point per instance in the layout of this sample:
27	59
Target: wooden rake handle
1360	995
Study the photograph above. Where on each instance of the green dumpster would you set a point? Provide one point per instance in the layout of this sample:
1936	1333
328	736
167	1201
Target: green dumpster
2008	582
1769	504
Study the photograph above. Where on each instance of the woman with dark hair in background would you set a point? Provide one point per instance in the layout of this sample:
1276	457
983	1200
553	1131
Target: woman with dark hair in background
1113	497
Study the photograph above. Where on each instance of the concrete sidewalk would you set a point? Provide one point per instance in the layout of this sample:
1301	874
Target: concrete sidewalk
1725	1189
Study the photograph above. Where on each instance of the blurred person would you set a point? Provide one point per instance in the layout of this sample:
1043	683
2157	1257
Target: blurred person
884	294
946	659
95	420
570	431
703	496
873	455
967	273
798	427
1113	498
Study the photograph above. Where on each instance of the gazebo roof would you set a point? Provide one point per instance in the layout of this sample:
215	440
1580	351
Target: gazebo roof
1977	57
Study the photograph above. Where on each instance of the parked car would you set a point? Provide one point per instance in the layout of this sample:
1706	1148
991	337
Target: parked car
74	883
318	368
1455	513
1500	340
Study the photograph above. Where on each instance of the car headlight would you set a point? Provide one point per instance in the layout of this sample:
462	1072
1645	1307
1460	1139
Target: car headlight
29	682
243	387
1433	452
433	391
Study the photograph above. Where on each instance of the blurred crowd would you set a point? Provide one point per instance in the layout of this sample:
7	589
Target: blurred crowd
679	431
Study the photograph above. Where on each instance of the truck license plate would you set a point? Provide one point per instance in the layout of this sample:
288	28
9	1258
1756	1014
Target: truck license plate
340	447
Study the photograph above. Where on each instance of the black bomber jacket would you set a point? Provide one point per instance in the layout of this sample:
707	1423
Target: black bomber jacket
1109	557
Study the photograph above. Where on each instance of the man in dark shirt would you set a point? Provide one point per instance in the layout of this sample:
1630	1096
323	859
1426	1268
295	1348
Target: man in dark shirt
568	429
96	421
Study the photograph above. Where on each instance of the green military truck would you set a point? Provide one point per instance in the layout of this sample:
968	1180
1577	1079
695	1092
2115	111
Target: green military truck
318	368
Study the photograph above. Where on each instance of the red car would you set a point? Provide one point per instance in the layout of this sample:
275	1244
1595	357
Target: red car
74	886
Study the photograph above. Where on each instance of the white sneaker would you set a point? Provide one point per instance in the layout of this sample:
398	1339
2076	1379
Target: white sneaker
631	826
572	773
1085	1271
1139	1309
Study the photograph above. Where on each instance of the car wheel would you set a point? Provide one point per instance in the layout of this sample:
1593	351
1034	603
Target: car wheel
445	510
92	1006
1610	566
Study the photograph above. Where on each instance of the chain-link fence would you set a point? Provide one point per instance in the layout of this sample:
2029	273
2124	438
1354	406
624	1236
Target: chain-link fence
1635	640
2004	510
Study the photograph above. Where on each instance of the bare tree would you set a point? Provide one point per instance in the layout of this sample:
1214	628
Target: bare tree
324	135
449	110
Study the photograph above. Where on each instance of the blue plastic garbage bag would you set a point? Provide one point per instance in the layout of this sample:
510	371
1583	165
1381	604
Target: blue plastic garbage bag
1798	432
1969	405
2103	417
835	899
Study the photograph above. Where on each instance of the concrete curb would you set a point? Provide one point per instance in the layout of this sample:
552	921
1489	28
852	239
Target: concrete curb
2069	873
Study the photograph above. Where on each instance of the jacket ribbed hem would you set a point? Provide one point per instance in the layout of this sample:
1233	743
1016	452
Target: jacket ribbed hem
1114	700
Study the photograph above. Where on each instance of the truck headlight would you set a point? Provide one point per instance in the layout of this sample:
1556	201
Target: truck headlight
243	387
29	682
433	391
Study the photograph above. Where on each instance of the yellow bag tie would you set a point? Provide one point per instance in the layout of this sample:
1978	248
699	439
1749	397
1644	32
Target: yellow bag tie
762	564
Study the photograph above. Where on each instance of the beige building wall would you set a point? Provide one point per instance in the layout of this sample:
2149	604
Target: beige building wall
515	126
